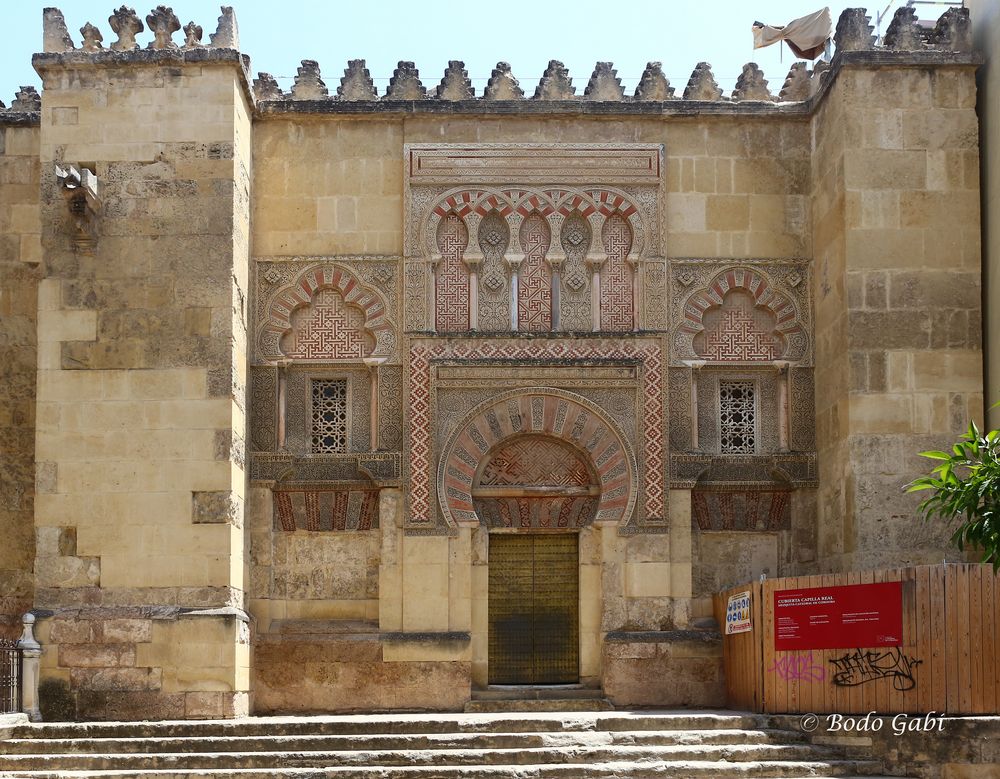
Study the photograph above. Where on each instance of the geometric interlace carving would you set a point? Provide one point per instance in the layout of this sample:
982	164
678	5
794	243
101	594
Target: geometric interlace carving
329	416
738	417
574	307
327	329
536	461
738	331
534	279
494	283
452	278
616	276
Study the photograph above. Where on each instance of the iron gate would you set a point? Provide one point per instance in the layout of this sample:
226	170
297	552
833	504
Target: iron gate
11	667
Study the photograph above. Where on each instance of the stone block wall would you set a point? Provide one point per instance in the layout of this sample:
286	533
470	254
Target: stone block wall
141	376
20	254
897	289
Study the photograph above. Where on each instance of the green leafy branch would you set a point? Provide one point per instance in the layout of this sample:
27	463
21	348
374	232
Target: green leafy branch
966	490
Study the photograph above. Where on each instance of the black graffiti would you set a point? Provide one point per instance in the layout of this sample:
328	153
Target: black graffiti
868	665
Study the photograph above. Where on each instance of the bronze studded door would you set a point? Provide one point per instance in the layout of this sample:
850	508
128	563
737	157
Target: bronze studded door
534	626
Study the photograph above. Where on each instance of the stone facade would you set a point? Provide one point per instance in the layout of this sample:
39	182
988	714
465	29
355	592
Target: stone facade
704	335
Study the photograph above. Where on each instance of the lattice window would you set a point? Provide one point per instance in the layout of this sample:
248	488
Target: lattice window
329	416
738	416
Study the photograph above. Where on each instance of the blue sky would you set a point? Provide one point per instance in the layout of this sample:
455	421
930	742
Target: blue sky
277	35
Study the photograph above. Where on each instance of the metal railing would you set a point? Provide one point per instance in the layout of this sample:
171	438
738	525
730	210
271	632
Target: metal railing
11	676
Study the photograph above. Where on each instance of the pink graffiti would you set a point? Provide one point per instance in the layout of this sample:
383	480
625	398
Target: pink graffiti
798	666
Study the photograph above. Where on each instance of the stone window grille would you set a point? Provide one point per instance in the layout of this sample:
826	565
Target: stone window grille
329	416
738	416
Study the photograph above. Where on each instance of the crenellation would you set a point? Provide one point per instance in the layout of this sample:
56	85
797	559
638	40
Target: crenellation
854	31
904	32
604	84
953	31
92	38
192	35
265	87
357	83
27	99
820	74
55	35
163	23
309	83
455	85
797	84
227	32
126	24
555	83
502	84
702	84
751	85
654	85
405	83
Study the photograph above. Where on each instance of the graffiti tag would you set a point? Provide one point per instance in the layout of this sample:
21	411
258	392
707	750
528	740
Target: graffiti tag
862	666
798	666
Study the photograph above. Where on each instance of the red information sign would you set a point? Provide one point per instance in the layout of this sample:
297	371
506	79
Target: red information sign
855	615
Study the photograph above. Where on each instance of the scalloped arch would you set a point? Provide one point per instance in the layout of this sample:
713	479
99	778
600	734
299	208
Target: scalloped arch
788	322
551	202
538	410
301	292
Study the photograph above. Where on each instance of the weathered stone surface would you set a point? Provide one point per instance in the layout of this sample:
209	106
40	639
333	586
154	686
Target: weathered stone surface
797	83
502	84
55	35
227	31
126	25
854	31
672	670
653	85
405	83
27	99
325	682
751	84
953	31
192	35
903	31
701	85
308	85
357	83
92	38
265	87
604	84
163	23
455	85
555	83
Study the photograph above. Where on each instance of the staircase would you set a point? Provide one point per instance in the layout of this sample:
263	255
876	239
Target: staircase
531	745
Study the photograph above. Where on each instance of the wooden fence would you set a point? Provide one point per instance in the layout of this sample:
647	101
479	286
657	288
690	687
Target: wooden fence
948	661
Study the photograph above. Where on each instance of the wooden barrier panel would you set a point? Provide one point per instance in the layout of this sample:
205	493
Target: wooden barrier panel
947	661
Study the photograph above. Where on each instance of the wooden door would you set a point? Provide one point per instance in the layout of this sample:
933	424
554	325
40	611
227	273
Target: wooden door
534	623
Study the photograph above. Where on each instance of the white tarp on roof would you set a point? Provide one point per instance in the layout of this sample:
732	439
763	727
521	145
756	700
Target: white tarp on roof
805	36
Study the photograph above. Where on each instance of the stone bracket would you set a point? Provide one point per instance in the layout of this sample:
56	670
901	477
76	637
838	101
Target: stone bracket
79	188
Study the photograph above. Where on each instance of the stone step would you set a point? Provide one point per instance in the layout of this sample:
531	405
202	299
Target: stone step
651	770
332	743
576	753
536	692
542	704
397	723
